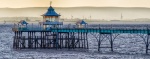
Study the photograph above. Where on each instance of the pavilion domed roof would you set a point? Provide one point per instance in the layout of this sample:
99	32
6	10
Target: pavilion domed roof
51	12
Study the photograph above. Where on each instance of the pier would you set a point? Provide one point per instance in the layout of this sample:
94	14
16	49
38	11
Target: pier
72	38
51	33
49	39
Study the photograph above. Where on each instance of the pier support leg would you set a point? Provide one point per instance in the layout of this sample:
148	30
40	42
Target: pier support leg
111	42
57	40
147	44
99	42
103	37
87	41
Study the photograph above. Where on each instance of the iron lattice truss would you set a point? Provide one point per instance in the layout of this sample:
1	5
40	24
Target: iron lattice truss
71	37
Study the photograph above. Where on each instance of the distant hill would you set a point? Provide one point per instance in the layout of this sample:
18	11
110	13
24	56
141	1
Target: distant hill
16	19
99	13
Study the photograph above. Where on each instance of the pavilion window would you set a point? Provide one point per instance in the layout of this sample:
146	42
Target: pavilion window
47	18
53	19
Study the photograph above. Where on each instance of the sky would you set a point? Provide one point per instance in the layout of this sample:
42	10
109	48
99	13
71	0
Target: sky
73	3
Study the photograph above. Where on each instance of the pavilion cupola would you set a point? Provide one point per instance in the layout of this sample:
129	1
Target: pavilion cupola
51	15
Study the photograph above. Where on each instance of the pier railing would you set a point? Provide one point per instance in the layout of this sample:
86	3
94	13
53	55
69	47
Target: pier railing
102	28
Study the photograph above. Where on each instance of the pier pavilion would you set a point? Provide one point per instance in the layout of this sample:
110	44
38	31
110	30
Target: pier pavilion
51	18
42	37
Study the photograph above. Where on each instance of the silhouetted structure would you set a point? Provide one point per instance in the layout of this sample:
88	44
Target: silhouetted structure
42	37
54	36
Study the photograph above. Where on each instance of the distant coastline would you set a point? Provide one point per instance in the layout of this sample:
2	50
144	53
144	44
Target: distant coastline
72	21
76	13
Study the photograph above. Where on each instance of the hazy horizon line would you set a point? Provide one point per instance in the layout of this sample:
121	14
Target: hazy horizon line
78	7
